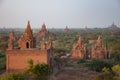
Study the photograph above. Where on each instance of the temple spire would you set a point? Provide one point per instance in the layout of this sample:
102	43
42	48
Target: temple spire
28	31
43	44
49	43
43	27
80	40
79	49
113	23
12	35
66	27
11	40
99	41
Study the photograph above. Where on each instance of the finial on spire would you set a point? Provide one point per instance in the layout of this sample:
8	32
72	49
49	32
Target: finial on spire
43	24
66	27
43	44
43	27
99	37
49	43
28	21
113	22
80	40
99	42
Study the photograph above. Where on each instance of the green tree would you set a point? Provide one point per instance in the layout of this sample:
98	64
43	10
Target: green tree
98	65
115	51
39	71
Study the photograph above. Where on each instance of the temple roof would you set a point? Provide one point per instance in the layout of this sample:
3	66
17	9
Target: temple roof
12	35
99	41
80	40
43	27
113	26
28	31
66	29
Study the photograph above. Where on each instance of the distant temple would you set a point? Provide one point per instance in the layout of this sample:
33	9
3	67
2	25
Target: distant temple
113	26
86	28
99	51
43	32
66	29
79	50
17	58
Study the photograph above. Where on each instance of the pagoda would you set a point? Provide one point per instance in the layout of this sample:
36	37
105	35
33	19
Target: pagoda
17	58
79	50
43	32
99	51
66	29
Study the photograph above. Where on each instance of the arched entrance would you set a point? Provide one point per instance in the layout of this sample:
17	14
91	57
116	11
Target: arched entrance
27	45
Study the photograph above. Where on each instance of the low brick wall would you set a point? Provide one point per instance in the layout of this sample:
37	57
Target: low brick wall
17	60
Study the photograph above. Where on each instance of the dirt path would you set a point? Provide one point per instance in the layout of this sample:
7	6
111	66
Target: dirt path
73	71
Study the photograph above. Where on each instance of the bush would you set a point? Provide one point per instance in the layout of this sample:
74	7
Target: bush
105	76
2	62
110	74
13	76
37	70
115	56
98	65
81	61
115	50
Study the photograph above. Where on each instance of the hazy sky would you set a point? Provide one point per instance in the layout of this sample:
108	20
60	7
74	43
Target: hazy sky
59	13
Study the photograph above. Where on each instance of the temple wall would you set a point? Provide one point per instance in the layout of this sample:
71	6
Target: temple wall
17	60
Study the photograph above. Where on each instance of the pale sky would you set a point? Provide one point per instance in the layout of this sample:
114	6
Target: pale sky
59	13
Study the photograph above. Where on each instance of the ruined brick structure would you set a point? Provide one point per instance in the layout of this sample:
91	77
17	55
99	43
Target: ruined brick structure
17	58
43	32
79	49
11	40
99	51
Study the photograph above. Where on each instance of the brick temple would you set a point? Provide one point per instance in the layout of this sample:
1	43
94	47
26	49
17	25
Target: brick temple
43	32
99	51
17	58
66	29
79	49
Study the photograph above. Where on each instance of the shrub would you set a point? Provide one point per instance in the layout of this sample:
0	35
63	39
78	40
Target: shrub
110	74
98	65
105	76
37	70
115	56
81	61
2	63
13	76
115	50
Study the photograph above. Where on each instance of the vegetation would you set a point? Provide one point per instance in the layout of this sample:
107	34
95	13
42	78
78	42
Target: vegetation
13	76
38	71
81	61
3	46
63	44
2	61
115	51
110	74
98	65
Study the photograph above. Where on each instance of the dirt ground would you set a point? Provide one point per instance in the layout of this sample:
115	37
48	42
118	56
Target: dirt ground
74	71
